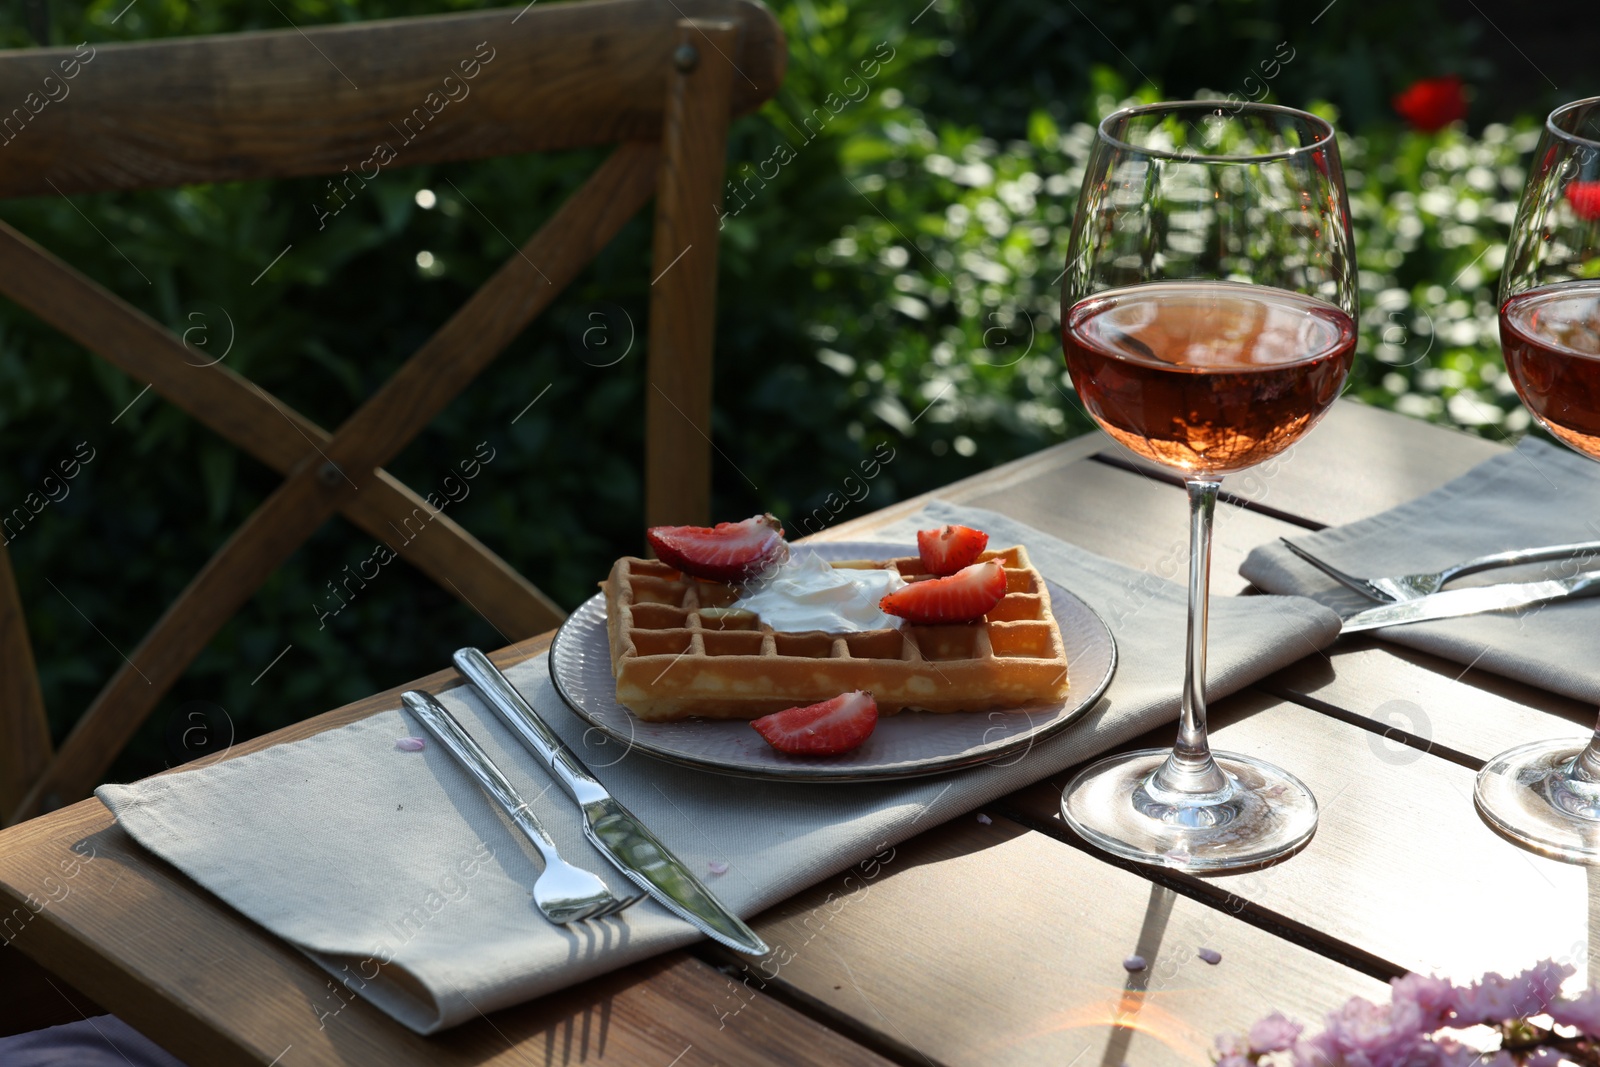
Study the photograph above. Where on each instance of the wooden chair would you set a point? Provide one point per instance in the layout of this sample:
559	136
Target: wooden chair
658	78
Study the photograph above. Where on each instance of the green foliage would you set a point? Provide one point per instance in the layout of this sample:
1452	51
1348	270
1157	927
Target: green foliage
895	229
1007	59
1432	214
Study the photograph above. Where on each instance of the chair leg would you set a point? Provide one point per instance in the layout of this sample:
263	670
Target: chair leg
24	731
683	295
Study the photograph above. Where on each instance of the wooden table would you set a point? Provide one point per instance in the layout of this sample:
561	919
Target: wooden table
977	942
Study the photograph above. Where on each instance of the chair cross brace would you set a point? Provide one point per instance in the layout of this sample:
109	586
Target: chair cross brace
371	437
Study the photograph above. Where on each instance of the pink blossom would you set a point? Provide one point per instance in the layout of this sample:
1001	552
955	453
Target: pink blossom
1495	998
410	744
1408	1032
1231	1045
1432	999
1544	980
1490	999
1362	1034
1582	1011
1319	1051
1274	1034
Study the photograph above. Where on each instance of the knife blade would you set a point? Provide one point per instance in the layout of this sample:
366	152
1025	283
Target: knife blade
610	827
1454	603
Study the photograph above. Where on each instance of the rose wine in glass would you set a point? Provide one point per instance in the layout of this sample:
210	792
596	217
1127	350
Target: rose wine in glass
1207	377
1551	339
1545	795
1209	322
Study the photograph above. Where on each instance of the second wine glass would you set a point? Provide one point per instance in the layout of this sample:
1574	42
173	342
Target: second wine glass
1209	312
1545	795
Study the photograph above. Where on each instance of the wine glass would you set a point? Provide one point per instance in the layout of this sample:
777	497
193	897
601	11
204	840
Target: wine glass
1209	314
1546	795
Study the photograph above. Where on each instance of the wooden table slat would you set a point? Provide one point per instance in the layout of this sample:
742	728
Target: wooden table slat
1434	704
1401	869
947	963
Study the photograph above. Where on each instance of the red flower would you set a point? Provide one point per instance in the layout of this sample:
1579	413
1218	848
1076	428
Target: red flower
1585	200
1432	103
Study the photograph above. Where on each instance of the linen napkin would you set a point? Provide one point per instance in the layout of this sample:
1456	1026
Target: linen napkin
1534	495
392	871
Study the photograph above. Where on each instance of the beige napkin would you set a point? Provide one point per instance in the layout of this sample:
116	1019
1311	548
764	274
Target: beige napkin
1535	495
391	870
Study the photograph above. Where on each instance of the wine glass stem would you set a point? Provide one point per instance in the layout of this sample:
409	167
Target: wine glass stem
1190	769
1586	767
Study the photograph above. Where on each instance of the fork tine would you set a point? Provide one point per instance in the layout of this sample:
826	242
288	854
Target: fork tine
1350	581
621	904
608	910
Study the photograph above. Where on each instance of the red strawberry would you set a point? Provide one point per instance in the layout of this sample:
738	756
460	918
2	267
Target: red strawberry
966	596
726	552
1585	200
949	548
824	729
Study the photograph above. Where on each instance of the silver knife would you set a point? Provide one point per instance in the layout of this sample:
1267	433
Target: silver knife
612	828
1453	603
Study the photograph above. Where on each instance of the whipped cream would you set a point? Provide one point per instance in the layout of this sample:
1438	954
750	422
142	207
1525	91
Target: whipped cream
806	593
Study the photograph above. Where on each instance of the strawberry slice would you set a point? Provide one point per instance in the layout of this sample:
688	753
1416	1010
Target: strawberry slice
824	729
949	548
966	596
726	552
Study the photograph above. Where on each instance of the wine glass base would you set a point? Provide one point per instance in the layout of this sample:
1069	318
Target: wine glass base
1525	794
1265	814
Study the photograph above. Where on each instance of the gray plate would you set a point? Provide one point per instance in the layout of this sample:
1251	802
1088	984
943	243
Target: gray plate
906	745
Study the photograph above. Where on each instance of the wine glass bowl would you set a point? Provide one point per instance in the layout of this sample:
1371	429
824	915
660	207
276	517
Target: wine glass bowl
1545	795
1197	189
1220	196
1208	314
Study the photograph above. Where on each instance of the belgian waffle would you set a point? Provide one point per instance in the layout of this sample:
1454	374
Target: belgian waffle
678	650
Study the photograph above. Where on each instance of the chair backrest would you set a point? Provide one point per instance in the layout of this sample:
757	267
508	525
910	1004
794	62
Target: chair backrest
659	78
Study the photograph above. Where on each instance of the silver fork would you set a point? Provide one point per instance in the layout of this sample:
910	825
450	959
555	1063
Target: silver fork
566	894
1410	586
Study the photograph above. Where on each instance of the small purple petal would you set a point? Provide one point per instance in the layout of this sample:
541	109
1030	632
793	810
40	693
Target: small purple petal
717	867
1134	963
1211	956
985	820
410	744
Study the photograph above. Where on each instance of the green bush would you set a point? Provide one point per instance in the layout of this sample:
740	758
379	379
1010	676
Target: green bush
1008	59
1432	214
888	301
